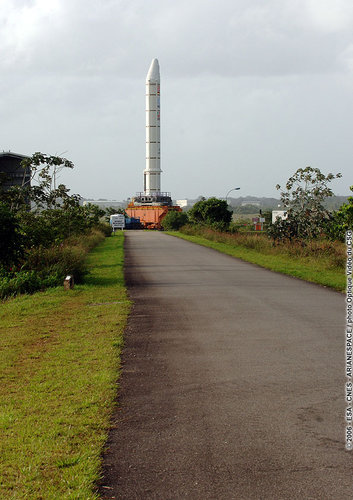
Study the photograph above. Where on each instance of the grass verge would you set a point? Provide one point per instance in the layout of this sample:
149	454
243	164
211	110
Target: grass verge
310	268
59	358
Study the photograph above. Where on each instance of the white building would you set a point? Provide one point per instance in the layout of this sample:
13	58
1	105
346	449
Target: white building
182	203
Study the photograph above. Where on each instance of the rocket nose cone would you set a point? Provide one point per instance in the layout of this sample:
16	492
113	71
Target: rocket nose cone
153	72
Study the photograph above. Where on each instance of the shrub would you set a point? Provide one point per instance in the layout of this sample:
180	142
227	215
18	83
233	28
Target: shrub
173	221
105	228
86	241
66	258
21	282
46	267
57	261
341	221
212	212
234	227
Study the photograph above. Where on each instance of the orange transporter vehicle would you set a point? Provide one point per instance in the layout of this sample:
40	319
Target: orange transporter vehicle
151	209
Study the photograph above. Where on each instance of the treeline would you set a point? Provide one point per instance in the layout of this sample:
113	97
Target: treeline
44	231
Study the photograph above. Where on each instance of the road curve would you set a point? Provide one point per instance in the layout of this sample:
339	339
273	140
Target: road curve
232	381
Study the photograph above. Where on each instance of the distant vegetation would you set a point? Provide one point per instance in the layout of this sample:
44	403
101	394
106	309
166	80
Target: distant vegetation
246	209
304	199
44	231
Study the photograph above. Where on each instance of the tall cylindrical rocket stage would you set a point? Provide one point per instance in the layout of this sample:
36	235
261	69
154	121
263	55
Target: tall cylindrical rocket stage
152	172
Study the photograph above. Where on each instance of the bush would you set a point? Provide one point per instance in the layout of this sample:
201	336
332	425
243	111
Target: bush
105	228
212	212
341	221
86	241
21	282
53	226
46	267
63	259
57	261
173	221
234	227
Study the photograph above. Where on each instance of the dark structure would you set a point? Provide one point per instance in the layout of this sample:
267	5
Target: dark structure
11	171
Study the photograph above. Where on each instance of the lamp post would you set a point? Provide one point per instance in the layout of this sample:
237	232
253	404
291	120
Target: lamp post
233	189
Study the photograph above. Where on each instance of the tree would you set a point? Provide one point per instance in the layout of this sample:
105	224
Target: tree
54	213
212	212
303	200
173	221
55	224
341	220
41	190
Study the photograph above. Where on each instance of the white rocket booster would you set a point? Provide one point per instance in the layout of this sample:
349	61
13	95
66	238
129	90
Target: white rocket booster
152	172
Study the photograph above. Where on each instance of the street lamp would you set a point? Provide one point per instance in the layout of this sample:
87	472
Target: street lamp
233	189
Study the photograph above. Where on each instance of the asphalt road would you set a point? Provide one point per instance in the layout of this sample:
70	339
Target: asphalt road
232	382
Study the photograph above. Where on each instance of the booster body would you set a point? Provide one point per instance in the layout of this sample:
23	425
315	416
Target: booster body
152	172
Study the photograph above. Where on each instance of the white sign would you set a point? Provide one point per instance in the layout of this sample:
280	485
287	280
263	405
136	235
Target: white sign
117	221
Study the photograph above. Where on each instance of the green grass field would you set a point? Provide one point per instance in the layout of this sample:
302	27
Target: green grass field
59	359
314	269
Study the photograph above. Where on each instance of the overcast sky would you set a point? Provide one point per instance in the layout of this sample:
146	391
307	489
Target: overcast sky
251	90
